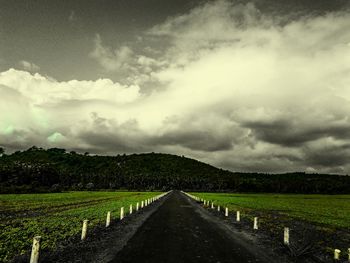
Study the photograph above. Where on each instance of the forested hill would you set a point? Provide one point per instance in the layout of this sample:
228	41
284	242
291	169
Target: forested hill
39	170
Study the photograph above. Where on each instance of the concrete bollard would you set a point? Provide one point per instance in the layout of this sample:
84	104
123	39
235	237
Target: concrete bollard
238	216
108	219
255	226
121	213
142	204
137	206
226	211
337	254
84	230
130	209
34	257
218	208
286	236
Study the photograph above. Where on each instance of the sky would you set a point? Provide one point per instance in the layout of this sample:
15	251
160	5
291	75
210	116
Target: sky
260	85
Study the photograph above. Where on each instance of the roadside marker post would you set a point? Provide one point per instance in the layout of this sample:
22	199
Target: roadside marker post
108	219
130	209
142	204
137	206
238	216
212	204
218	208
286	236
349	254
34	258
84	230
337	254
226	211
121	213
255	223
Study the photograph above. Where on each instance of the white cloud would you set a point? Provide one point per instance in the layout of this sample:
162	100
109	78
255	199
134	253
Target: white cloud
111	60
28	66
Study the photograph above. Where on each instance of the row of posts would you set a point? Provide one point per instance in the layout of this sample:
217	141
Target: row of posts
337	252
34	257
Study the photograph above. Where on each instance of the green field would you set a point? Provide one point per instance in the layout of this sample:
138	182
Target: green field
326	210
56	216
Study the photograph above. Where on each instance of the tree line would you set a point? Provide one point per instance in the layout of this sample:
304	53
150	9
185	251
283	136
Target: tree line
53	170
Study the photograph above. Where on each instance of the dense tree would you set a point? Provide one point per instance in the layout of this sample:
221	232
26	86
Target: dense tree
39	170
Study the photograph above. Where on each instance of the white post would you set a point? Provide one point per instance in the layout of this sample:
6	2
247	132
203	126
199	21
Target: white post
130	209
137	206
349	254
142	204
226	211
218	208
336	254
34	258
238	216
121	213
108	219
212	205
255	223
286	236
84	230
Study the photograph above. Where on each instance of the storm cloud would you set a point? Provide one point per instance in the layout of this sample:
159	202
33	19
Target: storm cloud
232	84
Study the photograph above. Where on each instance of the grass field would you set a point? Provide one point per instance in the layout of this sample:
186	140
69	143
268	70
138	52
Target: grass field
55	216
327	210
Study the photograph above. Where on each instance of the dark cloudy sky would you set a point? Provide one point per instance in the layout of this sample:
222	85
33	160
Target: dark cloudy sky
261	85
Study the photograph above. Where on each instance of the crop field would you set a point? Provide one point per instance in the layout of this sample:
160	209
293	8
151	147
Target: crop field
56	216
326	210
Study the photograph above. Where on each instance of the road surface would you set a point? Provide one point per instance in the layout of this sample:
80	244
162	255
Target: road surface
181	231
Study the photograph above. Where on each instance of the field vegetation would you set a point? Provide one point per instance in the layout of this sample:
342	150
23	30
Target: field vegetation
327	210
56	216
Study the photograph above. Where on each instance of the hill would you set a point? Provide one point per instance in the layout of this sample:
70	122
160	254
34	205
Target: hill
40	170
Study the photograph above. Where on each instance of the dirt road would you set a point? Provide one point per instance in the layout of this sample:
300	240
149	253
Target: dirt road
182	231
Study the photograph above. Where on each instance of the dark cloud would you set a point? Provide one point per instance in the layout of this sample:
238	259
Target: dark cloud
199	140
328	155
294	134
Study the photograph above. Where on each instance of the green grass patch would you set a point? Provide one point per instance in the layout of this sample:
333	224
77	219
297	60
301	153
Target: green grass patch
327	210
56	216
